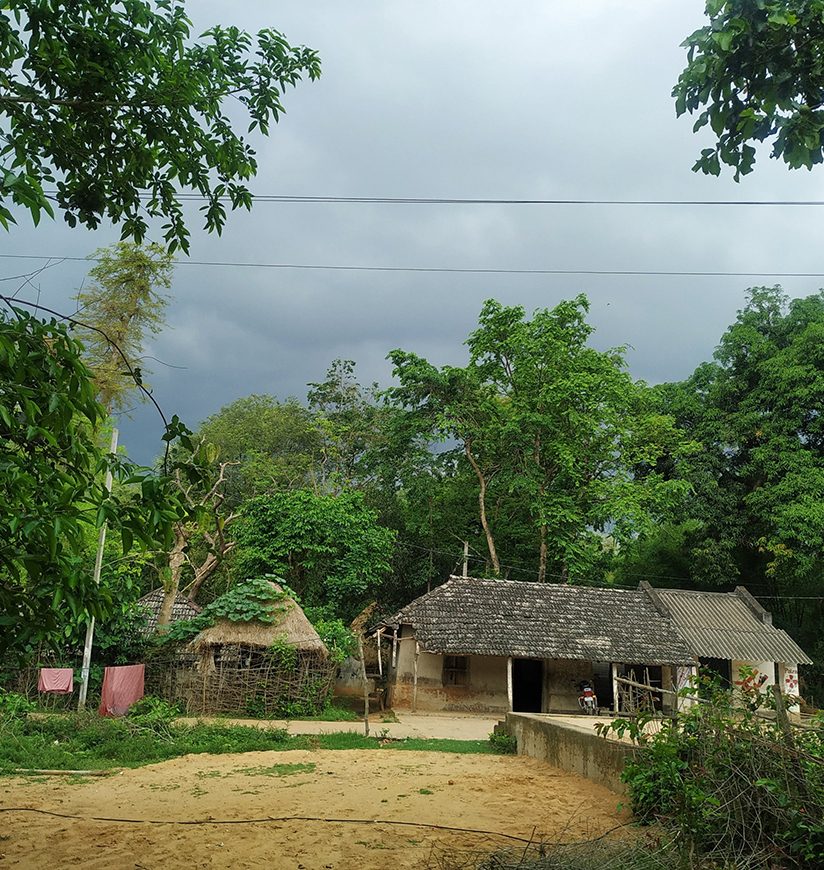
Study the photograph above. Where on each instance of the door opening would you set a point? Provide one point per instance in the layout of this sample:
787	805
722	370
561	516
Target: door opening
527	685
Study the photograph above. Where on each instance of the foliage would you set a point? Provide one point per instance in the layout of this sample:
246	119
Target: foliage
252	599
754	74
338	638
329	549
732	787
275	445
121	305
13	704
551	421
153	714
52	485
108	100
505	744
758	484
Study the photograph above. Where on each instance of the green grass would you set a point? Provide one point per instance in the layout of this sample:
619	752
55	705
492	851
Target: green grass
88	742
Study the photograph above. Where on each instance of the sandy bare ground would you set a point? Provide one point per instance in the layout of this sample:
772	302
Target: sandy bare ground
506	794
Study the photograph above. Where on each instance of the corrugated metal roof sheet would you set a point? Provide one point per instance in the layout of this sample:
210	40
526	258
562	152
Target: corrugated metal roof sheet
467	616
722	625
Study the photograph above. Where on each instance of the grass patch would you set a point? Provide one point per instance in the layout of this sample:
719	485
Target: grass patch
278	769
88	742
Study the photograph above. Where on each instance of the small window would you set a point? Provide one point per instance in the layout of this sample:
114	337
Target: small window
456	670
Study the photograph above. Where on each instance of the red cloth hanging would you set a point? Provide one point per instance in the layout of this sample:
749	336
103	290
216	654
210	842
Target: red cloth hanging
122	687
58	681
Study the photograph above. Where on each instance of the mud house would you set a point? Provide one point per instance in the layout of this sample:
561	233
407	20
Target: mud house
500	645
274	665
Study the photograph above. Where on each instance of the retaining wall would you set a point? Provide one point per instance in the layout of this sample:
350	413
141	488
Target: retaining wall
572	748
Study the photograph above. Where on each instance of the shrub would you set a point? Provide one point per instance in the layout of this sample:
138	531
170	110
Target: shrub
504	744
14	705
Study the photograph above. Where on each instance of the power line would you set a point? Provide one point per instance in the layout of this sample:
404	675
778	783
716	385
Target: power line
331	267
184	196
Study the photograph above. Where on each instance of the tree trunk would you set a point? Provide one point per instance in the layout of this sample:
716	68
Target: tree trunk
177	559
209	566
490	541
542	555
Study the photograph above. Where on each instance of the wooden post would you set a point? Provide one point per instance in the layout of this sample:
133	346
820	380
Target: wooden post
365	688
415	678
509	682
380	660
614	688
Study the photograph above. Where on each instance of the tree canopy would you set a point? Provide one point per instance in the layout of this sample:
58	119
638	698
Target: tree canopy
545	418
112	104
755	74
52	485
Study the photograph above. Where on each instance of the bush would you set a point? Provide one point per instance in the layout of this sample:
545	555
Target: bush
504	744
153	714
732	786
13	705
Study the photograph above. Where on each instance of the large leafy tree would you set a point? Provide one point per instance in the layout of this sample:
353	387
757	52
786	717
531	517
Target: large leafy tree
51	485
115	106
329	549
553	424
755	74
756	515
271	445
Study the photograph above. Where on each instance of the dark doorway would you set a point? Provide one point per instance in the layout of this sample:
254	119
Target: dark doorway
720	669
527	685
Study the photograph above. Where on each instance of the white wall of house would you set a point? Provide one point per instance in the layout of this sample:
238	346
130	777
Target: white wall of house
485	691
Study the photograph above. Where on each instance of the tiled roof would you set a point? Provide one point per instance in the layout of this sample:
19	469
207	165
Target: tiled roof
181	609
728	625
467	616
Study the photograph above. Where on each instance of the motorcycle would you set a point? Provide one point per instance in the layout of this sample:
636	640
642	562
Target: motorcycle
587	700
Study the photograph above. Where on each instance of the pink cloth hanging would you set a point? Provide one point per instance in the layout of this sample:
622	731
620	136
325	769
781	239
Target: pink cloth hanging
122	687
58	681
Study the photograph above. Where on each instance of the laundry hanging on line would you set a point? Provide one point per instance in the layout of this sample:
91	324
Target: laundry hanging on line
58	681
122	687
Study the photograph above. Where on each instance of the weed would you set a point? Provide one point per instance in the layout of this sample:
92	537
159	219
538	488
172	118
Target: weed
503	744
425	791
278	769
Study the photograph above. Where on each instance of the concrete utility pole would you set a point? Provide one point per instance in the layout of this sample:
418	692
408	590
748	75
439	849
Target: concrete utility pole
466	559
98	566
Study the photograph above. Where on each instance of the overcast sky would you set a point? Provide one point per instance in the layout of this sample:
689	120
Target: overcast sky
451	98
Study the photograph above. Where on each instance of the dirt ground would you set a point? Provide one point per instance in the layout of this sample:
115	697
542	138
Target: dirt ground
506	794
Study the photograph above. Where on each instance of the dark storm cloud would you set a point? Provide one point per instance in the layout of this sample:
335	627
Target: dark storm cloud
465	99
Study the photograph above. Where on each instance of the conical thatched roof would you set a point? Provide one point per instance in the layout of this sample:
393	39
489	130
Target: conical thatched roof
289	624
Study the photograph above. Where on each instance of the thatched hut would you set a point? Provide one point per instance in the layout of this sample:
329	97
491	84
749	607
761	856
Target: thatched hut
272	666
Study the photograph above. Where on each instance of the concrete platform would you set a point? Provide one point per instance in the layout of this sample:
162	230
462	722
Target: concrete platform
570	743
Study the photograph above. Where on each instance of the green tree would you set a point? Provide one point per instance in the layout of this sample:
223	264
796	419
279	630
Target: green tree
553	424
758	485
329	549
755	74
51	485
272	446
121	306
108	100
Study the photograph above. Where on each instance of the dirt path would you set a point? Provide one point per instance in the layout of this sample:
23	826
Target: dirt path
506	794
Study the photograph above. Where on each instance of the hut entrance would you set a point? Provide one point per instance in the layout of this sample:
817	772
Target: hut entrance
527	685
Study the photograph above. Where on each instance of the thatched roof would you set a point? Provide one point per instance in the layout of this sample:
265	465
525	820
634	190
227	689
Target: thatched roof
289	624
